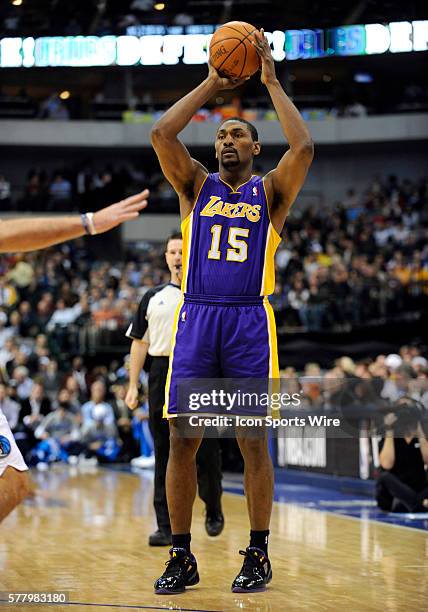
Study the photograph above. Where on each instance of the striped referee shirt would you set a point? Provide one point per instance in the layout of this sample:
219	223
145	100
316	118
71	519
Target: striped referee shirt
153	322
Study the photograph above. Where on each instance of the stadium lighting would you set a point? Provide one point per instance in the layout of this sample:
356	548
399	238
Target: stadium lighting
64	95
159	6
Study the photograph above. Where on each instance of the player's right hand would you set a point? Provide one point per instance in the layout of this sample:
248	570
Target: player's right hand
223	82
131	399
118	213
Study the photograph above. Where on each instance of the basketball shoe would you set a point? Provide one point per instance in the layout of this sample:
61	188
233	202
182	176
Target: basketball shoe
255	572
181	572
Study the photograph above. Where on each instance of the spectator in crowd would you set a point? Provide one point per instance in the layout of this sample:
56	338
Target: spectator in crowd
99	434
5	332
98	393
50	376
54	108
35	407
22	275
60	189
80	374
75	395
298	299
125	422
22	381
9	407
58	434
8	294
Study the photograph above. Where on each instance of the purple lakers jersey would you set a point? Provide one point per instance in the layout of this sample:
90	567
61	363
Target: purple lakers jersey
229	242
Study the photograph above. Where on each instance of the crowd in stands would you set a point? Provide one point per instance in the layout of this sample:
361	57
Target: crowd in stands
364	261
80	187
385	380
72	415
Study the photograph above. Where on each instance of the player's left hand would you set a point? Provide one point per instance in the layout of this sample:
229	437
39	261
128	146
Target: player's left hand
260	42
116	214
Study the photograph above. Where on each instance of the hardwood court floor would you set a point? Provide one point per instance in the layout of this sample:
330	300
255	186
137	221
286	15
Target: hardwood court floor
86	533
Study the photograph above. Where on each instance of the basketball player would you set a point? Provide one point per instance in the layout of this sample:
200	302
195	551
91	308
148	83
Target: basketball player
231	225
151	331
28	235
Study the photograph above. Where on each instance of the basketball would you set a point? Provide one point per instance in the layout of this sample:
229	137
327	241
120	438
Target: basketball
231	51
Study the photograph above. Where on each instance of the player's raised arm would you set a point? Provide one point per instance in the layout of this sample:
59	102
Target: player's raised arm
286	180
32	234
183	172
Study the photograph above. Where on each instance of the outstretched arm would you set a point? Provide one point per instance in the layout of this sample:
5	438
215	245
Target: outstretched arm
183	172
32	234
286	180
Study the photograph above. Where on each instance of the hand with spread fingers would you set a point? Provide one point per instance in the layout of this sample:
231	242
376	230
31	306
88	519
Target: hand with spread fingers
262	46
118	213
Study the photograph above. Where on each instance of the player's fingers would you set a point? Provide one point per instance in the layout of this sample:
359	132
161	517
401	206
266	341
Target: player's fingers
131	213
138	197
253	39
257	34
136	206
258	46
237	82
128	216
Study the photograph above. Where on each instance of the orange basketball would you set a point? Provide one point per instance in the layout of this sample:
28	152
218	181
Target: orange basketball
231	52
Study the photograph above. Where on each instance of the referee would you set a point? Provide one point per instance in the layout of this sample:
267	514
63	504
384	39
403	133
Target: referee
151	332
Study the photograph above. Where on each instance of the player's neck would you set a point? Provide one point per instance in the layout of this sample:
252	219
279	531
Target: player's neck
236	176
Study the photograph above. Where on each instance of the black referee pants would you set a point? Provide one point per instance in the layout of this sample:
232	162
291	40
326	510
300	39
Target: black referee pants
208	458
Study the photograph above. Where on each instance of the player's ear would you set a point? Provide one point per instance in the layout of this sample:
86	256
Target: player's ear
256	148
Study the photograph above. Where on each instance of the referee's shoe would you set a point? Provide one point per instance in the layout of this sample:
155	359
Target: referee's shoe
214	522
160	538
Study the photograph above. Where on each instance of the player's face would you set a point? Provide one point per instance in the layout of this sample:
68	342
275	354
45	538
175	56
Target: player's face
173	256
234	144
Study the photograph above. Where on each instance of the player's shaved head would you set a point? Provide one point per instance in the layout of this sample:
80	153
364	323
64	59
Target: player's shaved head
250	126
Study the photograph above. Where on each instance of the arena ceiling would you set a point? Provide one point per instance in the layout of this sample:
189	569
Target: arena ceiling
49	17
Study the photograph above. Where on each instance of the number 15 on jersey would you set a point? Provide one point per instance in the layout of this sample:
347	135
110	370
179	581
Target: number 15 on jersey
239	248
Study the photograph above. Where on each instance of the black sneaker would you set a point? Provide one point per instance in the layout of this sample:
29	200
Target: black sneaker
160	538
214	523
181	571
255	573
